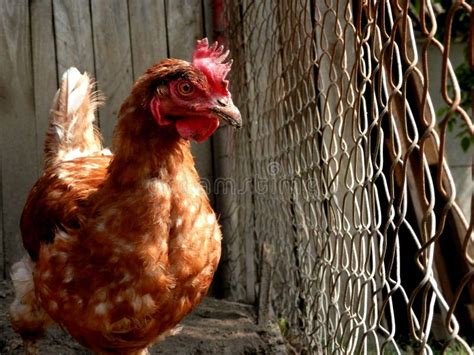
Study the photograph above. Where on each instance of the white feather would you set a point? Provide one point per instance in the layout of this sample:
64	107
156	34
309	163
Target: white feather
22	277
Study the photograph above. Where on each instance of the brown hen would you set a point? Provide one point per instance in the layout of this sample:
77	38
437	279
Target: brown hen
121	247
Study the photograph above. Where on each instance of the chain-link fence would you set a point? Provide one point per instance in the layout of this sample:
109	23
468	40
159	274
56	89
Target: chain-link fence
337	202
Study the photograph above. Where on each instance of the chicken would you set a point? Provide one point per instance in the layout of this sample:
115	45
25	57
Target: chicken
121	247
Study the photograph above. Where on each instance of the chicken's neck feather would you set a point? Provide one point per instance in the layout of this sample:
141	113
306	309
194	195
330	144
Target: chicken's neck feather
143	150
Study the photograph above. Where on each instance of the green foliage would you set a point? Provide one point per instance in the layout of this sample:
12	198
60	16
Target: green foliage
466	81
408	345
465	76
460	28
464	73
284	326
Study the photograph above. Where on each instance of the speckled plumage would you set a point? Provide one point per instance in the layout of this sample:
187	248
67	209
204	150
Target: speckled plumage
120	247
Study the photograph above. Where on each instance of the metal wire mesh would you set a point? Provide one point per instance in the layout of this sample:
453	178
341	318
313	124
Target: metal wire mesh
341	214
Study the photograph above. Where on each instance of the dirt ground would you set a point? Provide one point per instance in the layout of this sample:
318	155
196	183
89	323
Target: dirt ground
215	327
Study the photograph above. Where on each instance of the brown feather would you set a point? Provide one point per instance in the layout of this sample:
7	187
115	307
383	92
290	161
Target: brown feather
125	247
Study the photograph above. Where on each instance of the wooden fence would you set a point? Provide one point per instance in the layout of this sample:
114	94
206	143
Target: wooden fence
115	40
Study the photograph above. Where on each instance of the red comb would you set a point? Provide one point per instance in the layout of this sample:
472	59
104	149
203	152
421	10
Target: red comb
210	60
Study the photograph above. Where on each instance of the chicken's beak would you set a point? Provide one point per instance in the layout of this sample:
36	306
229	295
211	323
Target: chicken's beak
227	112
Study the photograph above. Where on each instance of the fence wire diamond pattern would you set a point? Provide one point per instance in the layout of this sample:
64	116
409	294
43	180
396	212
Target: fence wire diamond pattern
344	221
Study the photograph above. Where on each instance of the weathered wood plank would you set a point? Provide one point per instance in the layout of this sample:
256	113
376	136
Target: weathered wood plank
44	67
112	57
185	27
148	33
73	30
208	11
19	158
235	264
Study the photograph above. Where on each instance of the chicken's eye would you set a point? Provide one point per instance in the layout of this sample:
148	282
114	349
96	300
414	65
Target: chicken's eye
185	88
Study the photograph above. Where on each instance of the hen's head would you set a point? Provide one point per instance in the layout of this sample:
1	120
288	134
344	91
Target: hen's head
193	98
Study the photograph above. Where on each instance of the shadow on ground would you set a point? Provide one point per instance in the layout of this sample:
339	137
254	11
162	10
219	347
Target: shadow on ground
215	327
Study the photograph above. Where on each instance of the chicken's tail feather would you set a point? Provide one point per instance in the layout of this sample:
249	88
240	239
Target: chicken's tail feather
71	131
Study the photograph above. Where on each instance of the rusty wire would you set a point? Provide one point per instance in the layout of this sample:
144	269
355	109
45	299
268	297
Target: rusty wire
340	180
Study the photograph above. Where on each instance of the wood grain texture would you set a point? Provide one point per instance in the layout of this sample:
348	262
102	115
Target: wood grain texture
226	204
113	59
18	133
185	26
148	33
208	12
44	67
73	30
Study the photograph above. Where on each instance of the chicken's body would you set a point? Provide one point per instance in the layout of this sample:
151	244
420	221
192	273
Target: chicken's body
122	247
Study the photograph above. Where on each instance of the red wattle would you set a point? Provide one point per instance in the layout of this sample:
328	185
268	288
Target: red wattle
197	128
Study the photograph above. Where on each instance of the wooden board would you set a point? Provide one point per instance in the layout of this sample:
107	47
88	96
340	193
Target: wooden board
18	141
112	58
208	12
148	34
185	26
44	67
73	30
